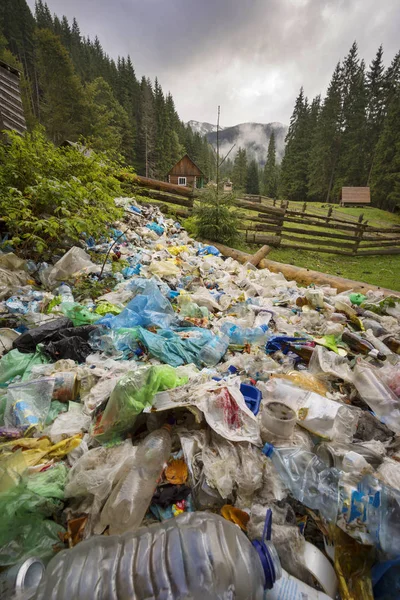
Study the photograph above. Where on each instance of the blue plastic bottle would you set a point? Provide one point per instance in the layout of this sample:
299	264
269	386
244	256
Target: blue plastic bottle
245	335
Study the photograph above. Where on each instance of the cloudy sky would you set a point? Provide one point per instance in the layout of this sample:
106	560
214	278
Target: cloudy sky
249	56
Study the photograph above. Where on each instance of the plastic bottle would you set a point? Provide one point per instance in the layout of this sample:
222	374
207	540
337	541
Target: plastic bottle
196	555
65	292
392	343
128	503
367	510
376	327
245	335
212	352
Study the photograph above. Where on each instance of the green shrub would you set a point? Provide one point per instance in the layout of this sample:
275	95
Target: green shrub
51	197
215	217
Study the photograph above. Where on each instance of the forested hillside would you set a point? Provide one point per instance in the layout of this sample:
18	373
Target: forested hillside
75	90
350	138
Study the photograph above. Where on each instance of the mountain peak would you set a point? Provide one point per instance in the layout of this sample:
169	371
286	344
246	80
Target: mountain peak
254	137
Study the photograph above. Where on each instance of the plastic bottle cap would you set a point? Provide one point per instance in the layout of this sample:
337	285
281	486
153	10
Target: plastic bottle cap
264	327
268	450
268	555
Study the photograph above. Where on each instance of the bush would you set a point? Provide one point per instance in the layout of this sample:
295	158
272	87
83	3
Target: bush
216	218
51	197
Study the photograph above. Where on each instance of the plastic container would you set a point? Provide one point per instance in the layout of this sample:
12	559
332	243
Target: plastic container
252	396
21	578
196	555
245	335
279	419
128	503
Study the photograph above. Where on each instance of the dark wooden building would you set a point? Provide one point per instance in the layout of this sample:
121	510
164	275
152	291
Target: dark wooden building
11	111
186	172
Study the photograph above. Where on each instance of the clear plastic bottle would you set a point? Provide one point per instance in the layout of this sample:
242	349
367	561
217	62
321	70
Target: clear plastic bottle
367	510
197	555
128	503
245	335
65	292
212	352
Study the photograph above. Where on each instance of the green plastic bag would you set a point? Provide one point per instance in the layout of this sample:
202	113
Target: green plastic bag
104	308
134	392
357	298
24	529
79	315
56	408
16	363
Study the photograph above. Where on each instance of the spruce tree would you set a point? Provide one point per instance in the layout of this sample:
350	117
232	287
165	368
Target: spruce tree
351	170
375	106
239	172
252	180
63	103
294	168
270	175
325	142
385	175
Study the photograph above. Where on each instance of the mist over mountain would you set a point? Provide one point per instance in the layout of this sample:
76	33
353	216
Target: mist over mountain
254	137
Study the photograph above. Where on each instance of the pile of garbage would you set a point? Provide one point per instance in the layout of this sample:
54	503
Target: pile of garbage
200	427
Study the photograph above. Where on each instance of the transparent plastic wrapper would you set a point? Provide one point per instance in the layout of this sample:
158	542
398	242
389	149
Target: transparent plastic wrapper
226	413
133	392
69	423
16	363
28	403
390	375
318	414
192	556
326	365
378	396
73	262
131	497
166	268
93	476
366	509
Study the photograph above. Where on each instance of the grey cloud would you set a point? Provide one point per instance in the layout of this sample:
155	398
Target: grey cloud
251	57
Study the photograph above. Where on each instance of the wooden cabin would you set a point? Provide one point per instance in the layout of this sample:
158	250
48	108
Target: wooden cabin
12	116
186	173
353	196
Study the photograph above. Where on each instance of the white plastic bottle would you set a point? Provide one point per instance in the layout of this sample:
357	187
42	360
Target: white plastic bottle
128	503
65	292
198	555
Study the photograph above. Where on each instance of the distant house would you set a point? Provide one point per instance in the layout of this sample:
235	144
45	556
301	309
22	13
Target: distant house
12	116
355	195
186	172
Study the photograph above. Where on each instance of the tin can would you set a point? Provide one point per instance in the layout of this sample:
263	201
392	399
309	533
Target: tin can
66	386
21	577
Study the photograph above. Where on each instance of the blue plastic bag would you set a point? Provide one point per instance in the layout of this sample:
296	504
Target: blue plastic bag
171	348
148	307
155	227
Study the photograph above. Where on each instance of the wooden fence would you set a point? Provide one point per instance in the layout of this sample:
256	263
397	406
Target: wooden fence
284	225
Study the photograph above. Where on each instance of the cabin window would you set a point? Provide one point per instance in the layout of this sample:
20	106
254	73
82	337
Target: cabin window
181	180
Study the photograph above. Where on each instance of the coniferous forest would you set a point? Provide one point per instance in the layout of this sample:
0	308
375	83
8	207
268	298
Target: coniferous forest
76	91
350	138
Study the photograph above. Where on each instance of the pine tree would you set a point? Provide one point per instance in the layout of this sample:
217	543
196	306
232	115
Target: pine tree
294	168
63	103
239	173
43	16
105	122
375	106
391	81
146	137
351	169
252	181
270	175
325	142
385	175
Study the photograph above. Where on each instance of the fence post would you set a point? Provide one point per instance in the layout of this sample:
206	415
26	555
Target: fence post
330	209
304	207
274	202
361	227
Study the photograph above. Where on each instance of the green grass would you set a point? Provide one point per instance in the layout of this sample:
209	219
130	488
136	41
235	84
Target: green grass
377	270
